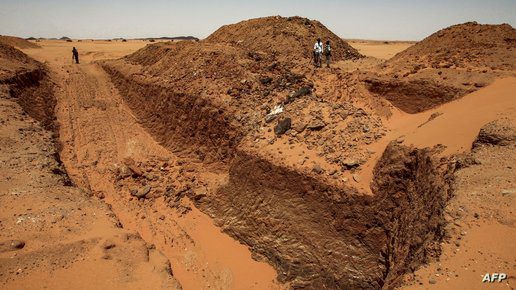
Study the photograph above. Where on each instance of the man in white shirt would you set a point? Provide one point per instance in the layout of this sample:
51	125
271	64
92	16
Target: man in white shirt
318	50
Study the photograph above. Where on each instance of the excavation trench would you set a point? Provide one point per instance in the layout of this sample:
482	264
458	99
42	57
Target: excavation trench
179	121
33	90
315	235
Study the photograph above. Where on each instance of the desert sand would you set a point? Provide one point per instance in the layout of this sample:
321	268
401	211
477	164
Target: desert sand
379	49
392	169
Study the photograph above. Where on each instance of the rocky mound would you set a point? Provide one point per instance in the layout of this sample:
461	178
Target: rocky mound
226	94
217	87
468	45
17	42
289	38
445	66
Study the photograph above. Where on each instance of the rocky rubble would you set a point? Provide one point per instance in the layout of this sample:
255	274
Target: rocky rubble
500	132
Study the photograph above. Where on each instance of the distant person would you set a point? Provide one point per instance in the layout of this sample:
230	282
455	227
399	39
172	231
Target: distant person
75	55
327	53
318	49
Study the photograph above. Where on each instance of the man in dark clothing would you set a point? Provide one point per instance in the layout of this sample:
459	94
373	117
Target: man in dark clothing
75	55
327	52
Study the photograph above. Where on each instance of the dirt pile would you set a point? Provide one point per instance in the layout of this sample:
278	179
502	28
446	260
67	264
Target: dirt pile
225	93
287	38
222	93
469	45
446	65
17	42
13	61
201	83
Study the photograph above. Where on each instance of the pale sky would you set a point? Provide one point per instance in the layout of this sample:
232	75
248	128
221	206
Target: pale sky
374	19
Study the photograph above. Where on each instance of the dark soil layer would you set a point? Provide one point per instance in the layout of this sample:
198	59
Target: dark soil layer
178	120
414	96
321	237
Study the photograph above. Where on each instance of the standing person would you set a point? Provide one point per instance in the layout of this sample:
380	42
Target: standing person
75	55
327	53
318	49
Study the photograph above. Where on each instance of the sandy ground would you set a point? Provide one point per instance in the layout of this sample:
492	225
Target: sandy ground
379	49
480	245
98	132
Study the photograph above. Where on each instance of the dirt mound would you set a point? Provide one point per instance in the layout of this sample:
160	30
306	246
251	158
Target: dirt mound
17	42
216	95
289	38
226	91
445	66
216	87
468	45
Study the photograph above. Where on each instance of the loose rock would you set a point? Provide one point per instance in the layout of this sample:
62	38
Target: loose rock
141	193
316	125
282	126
